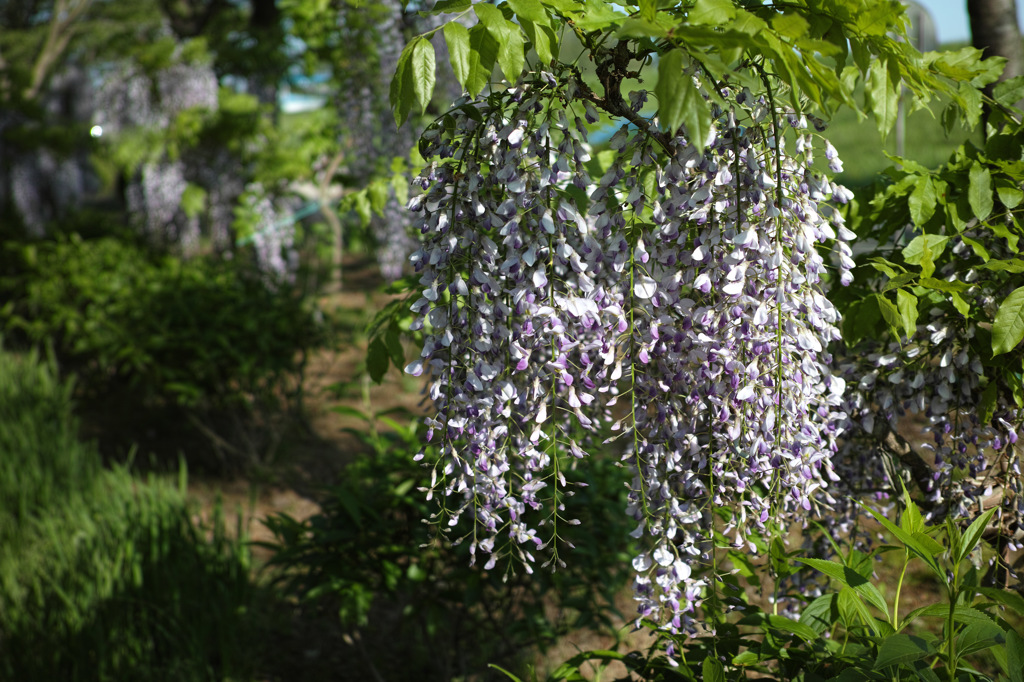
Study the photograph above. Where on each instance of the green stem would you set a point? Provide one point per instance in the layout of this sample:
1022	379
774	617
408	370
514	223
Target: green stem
899	586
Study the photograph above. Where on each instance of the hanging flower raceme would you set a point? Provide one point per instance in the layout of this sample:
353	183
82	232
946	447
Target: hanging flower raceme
681	303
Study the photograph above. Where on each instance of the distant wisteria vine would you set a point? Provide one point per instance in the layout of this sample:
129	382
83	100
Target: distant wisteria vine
676	300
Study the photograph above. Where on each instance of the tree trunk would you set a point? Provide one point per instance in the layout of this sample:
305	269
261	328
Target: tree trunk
994	30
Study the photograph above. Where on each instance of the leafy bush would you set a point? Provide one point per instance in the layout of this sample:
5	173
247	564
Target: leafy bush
215	343
854	632
203	332
102	576
369	558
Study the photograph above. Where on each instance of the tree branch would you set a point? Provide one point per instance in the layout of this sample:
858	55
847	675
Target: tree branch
62	28
612	69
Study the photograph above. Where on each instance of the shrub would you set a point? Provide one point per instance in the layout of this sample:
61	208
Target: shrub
369	558
208	336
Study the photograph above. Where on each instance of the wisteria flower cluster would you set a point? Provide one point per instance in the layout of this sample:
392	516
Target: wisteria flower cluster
676	300
964	453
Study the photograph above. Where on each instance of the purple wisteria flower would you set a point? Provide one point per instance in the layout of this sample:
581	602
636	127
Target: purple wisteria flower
677	299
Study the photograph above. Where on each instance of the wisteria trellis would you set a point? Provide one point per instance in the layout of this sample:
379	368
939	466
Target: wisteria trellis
677	298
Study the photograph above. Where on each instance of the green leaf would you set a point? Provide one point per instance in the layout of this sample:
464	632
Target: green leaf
942	285
922	201
1008	327
979	636
979	249
906	303
790	25
542	38
679	101
848	576
450	6
890	313
1007	598
987	405
457	37
972	536
900	280
711	12
483	52
1010	197
1001	229
923	249
423	71
508	37
393	341
1014	265
401	94
979	193
648	9
1015	656
911	520
851	606
362	207
378	194
910	542
713	670
1010	91
961	614
887	267
881	96
506	673
530	10
773	622
377	360
899	649
821	614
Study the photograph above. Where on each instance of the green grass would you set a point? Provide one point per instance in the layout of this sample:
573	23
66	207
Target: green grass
104	576
863	150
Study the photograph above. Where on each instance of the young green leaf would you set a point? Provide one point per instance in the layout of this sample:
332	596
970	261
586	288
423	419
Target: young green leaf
911	520
906	303
890	313
712	12
457	37
508	38
979	192
530	10
972	536
922	200
881	96
848	576
423	71
910	542
679	101
1008	327
483	53
402	95
914	252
